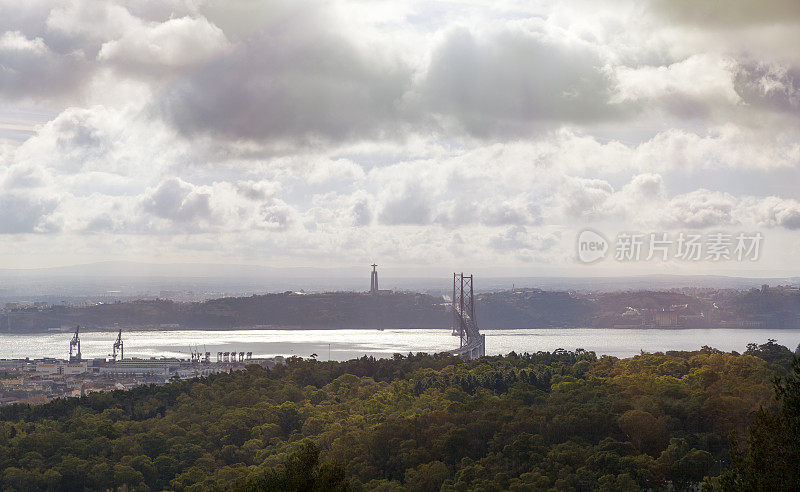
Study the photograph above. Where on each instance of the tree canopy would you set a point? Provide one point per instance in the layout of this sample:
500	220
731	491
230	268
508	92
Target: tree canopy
771	460
563	420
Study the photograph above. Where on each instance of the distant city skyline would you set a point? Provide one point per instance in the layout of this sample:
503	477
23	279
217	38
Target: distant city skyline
422	136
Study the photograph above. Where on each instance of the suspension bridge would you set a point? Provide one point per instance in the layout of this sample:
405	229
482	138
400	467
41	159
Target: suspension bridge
472	344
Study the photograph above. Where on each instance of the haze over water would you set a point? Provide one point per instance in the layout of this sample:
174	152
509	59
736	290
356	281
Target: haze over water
350	343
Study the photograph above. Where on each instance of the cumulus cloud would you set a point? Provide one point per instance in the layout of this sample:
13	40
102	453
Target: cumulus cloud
644	202
277	215
362	215
179	201
510	80
772	85
527	246
691	87
640	201
291	83
60	52
481	134
518	211
774	211
701	209
724	147
106	144
178	206
173	44
88	23
29	69
257	191
15	41
585	198
408	204
21	212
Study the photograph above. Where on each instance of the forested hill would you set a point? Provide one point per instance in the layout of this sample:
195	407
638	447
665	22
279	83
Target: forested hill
327	310
519	308
562	420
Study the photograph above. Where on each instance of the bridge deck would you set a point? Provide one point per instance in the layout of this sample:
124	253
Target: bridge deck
476	342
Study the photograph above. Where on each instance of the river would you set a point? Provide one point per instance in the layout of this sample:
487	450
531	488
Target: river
348	344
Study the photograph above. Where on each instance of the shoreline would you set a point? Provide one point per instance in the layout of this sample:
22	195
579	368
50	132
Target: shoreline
323	329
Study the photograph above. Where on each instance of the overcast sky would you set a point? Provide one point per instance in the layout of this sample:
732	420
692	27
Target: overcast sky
422	135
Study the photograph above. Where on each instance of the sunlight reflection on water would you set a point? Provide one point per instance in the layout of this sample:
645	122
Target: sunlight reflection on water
347	344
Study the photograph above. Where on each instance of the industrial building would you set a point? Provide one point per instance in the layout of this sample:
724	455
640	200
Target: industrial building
144	367
39	380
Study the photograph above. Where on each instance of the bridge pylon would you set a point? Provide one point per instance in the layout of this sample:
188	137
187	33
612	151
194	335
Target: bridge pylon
472	344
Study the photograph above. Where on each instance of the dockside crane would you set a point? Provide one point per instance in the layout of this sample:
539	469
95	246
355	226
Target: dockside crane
73	344
119	345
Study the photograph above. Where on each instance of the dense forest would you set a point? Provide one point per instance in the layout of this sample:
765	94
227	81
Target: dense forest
560	420
519	308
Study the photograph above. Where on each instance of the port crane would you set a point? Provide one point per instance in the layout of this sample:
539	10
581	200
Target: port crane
73	344
119	345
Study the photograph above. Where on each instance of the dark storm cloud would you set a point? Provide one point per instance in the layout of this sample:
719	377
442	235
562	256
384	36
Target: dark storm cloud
410	206
30	69
362	215
52	51
309	85
780	212
510	80
791	220
291	85
20	212
772	86
729	12
28	17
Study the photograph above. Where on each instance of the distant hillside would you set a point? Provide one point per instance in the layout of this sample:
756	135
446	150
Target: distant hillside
530	308
509	309
331	310
533	308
